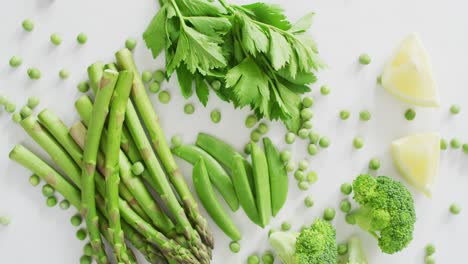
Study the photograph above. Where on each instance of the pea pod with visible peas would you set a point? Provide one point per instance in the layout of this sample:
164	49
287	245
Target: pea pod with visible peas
218	175
242	187
278	176
262	184
207	196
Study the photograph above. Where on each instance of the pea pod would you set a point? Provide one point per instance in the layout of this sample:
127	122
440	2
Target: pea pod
262	184
242	187
278	176
211	203
217	174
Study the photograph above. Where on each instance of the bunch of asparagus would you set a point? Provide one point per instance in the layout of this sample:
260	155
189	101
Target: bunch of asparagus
97	155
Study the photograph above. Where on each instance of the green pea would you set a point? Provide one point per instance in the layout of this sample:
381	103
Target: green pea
15	61
303	185
268	258
248	149
303	133
410	114
33	102
364	59
159	76
365	115
253	259
82	38
345	206
307	101
324	142
10	107
455	109
34	180
290	166
443	144
216	85
176	141
342	249
429	260
154	87
344	114
465	148
3	100
374	164
312	149
16	117
234	247
250	121
34	73
455	209
88	250
64	74
285	155
285	226
189	109
455	143
290	138
313	137
309	201
164	97
86	260
255	136
271	231
130	43
379	80
350	219
358	142
263	128
76	220
329	214
430	249
312	177
28	25
81	234
299	175
56	39
303	165
51	201
48	190
308	124
346	188
215	116
307	114
324	90
146	76
25	111
5	220
138	168
64	204
83	87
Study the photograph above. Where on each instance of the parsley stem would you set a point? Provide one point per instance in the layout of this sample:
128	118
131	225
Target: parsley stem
179	14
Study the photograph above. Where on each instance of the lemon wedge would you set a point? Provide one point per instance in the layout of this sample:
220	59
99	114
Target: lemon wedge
408	75
417	158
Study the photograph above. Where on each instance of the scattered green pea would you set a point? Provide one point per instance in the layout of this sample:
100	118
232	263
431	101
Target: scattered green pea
465	148
83	87
28	25
248	149
455	143
15	61
299	175
455	109
130	43
64	204
81	234
312	149
344	114
5	220
159	76
303	185
350	219
342	249
255	135
268	258
430	249
16	117
34	73
346	188
307	101
176	141
189	109
358	142
82	38
10	107
164	97
324	142
311	177
313	137
303	133
86	260
324	90
253	259
146	76
234	247
374	164
25	111
64	74
285	226
364	59
34	180
250	121
290	166
33	102
410	114
365	115
216	85
290	138
138	168
215	116
303	165
48	190
308	124
51	201
329	214
88	250
429	260
307	114
345	206
154	87
455	209
56	39
443	144
285	155
309	201
263	128
76	220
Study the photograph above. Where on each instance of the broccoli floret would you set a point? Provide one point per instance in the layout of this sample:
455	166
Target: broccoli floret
387	211
356	254
314	245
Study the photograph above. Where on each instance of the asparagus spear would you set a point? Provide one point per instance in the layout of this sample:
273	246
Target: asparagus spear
158	139
88	207
111	169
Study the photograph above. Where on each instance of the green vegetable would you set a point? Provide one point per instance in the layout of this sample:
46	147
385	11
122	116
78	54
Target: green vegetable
455	109
465	148
290	166
262	184
342	249
64	204
250	121
28	25
308	124
312	149
51	201
303	185
307	114
345	206
313	137
244	192
387	211
299	175
56	39
268	258
34	73
189	109
82	38
81	234
325	90
255	135
86	260
329	214
87	250
34	180
146	76
455	143
215	116
344	114
410	114
311	177
374	164
159	76
47	190
138	168
263	128
76	220
211	203
130	43
83	87
379	80
364	59
358	142
285	226
303	133
154	87
303	165
346	188
350	219
25	111
455	209
64	74
430	249
16	117
176	141
164	97
429	260
285	155
234	247
324	142
290	138
309	201
5	220
307	101
356	254
15	61
278	177
253	259
10	107
364	115
33	102
316	244
443	144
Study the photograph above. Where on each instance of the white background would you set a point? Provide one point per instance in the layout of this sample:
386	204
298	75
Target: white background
343	28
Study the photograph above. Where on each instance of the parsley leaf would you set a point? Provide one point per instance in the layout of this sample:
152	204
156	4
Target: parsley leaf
201	89
185	79
154	34
269	14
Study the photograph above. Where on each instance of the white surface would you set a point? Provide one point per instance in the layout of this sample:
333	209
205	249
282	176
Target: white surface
343	29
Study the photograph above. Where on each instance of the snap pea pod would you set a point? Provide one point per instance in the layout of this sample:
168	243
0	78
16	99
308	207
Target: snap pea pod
278	176
262	184
211	203
217	174
241	185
